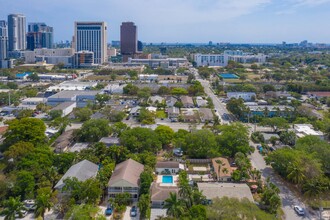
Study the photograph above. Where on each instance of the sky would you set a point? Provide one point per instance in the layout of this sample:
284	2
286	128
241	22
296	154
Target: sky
186	21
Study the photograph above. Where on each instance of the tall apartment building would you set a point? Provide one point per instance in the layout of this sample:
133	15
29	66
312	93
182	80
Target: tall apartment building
92	36
39	36
128	40
16	32
3	40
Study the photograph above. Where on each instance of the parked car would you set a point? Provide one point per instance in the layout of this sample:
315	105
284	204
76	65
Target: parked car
299	210
23	212
29	204
108	211
133	211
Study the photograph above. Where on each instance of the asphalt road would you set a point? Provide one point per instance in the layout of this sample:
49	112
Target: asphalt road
289	200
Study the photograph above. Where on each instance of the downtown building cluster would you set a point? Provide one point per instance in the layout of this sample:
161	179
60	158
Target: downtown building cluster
89	48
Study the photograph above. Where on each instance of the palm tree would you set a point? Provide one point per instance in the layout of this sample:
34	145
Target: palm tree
13	206
220	164
185	192
174	206
225	170
295	174
52	175
42	204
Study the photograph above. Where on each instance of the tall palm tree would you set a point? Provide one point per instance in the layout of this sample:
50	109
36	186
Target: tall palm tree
174	206
295	174
42	204
220	164
13	206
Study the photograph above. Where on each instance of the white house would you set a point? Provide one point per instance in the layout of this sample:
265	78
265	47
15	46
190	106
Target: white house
65	107
303	130
246	96
169	167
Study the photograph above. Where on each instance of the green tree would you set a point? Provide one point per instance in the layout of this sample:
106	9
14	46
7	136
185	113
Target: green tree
13	206
55	114
144	93
288	137
165	134
163	90
200	144
83	114
24	185
179	91
101	99
270	198
18	150
146	179
233	138
130	89
26	129
197	212
140	139
25	113
34	77
93	130
276	123
146	116
295	173
144	206
83	212
174	206
43	203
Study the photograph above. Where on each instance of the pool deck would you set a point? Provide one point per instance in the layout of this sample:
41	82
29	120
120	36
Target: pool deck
160	180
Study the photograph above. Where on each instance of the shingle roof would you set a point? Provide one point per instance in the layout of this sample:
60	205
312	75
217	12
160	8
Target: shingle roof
82	171
161	193
129	171
167	164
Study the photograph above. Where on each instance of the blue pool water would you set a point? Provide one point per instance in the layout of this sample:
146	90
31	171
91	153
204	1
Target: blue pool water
167	179
229	76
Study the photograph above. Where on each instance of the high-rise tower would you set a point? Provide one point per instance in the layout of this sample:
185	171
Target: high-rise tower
92	36
16	32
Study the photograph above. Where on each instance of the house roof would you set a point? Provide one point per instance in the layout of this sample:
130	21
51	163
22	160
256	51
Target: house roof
110	140
129	171
187	100
161	193
320	94
231	190
82	171
64	140
206	113
3	129
168	164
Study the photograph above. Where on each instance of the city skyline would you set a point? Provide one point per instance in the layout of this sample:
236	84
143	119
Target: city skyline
235	21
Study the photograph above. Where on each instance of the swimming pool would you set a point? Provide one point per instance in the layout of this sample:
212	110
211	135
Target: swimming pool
167	179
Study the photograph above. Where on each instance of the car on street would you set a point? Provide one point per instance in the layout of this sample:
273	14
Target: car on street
133	211
299	210
108	211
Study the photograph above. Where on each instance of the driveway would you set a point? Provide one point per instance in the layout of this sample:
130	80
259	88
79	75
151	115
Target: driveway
127	215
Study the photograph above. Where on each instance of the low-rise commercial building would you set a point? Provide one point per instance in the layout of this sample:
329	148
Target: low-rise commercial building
303	130
246	96
65	107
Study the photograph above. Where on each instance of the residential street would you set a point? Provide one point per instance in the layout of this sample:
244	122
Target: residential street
289	200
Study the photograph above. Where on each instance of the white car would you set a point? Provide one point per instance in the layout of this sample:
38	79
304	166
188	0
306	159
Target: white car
299	210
